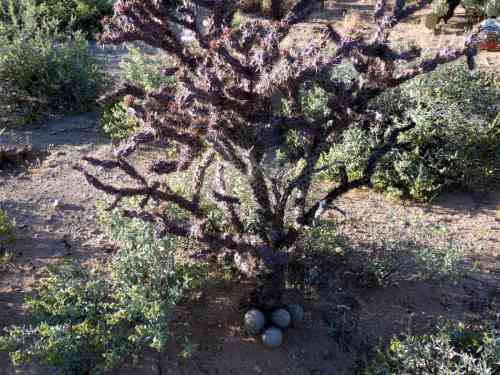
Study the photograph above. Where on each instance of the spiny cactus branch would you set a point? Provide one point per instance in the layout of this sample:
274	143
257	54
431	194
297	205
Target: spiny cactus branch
223	113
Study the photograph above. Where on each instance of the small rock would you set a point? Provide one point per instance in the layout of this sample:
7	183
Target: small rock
272	337
296	312
254	322
281	318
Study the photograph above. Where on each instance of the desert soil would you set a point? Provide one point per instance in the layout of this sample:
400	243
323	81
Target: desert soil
55	212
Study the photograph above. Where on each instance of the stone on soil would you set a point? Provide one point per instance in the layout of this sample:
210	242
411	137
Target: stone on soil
254	321
272	337
281	318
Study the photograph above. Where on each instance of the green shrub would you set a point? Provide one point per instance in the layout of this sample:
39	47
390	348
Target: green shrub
324	238
141	70
7	227
7	236
455	143
77	15
117	123
453	350
145	70
488	8
43	74
66	15
85	320
21	17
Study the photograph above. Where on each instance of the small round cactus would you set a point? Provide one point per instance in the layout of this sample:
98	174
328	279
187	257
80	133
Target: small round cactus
254	321
281	318
272	337
296	312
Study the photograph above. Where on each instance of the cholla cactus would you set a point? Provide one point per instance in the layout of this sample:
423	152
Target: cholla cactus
221	116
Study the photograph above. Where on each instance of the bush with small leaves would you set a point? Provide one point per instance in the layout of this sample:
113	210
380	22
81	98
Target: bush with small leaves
67	15
323	239
142	70
445	9
88	320
452	350
76	15
455	143
146	69
116	122
43	74
7	227
7	236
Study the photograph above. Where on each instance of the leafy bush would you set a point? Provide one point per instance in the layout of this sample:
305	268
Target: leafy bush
86	320
76	15
7	236
116	122
144	71
486	8
42	74
6	228
453	350
455	143
66	15
325	239
21	17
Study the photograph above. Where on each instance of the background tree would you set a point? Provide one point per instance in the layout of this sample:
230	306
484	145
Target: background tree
231	135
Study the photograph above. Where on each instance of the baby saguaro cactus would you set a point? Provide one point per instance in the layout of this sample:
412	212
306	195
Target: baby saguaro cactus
230	135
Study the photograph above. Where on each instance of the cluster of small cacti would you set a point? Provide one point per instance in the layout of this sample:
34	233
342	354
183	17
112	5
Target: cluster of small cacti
271	327
7	227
